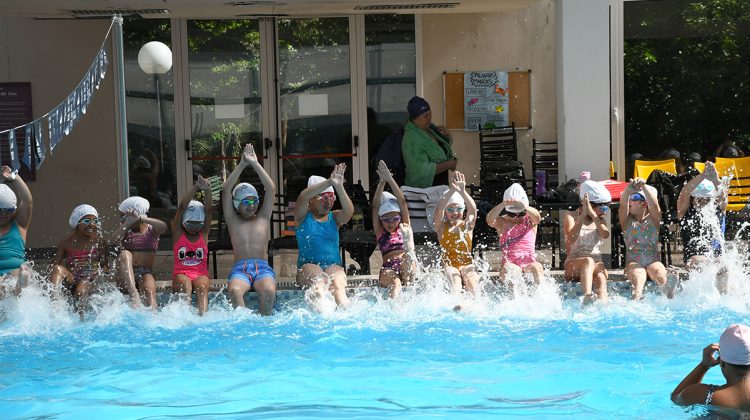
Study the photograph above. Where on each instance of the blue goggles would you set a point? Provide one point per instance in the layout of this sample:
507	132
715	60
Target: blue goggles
604	208
637	197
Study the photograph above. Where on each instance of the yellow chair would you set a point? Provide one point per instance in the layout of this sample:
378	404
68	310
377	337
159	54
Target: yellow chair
700	166
739	185
643	168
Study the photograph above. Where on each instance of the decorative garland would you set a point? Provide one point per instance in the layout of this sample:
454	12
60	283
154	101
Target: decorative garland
61	119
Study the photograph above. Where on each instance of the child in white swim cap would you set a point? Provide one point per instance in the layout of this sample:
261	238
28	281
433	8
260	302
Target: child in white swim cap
140	240
393	234
81	256
15	218
190	227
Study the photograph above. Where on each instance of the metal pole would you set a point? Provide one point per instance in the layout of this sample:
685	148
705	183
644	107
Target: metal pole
122	113
159	111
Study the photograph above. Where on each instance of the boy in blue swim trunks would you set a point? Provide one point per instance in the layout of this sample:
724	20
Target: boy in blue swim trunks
319	265
248	224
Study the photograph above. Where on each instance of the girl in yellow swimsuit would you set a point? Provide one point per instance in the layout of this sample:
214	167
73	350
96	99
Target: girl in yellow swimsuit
455	229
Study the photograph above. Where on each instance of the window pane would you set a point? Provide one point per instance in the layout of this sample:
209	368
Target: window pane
150	118
391	76
686	76
225	100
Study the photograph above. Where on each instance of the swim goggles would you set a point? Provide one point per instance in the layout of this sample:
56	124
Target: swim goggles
393	219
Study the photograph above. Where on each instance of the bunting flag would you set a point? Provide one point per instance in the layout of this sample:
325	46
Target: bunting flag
28	138
38	142
62	118
12	146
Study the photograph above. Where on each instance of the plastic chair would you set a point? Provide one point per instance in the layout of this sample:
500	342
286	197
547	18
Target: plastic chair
739	185
700	166
643	168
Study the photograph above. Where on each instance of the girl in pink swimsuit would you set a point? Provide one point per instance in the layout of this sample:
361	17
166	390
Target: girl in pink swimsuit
190	228
393	233
81	256
516	224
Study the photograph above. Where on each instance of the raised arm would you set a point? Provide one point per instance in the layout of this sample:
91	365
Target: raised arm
683	201
622	212
226	191
654	210
440	209
250	158
459	184
690	390
181	207
23	196
159	226
493	217
347	207
376	197
208	204
534	216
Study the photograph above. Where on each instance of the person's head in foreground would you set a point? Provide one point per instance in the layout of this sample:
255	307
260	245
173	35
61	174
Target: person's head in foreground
516	200
733	351
84	220
598	197
454	209
389	212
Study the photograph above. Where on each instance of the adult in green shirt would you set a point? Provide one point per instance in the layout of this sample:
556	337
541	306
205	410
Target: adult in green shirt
426	149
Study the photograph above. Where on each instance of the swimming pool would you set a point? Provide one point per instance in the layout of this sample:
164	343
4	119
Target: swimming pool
534	355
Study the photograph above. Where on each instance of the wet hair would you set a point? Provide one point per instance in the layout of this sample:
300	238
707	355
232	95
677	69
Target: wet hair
742	370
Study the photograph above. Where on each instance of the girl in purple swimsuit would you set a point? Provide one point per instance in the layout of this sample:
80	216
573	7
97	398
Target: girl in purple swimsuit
393	233
140	240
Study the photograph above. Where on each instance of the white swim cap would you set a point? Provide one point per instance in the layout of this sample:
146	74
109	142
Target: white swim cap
240	191
195	212
7	197
705	189
78	214
388	203
734	345
454	198
597	192
314	179
139	204
517	193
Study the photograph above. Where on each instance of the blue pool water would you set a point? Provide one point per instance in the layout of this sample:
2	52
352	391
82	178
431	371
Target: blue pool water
534	355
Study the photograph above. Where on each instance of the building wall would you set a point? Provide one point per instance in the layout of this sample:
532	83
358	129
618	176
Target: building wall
54	56
524	40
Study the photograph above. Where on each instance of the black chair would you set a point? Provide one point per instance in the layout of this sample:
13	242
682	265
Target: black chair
544	158
496	148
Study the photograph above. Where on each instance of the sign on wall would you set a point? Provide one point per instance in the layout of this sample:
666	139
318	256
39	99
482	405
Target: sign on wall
485	99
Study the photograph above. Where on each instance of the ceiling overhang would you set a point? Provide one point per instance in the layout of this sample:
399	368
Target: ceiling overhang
88	9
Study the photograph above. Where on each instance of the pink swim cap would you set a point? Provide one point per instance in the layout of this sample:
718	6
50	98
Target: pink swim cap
734	345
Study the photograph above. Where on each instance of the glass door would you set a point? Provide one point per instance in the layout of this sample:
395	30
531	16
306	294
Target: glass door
224	67
315	100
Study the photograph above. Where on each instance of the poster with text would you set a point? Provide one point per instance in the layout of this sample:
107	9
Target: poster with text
485	100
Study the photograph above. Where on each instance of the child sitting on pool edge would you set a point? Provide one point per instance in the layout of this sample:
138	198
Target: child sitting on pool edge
140	240
516	224
640	219
584	231
455	232
249	224
319	264
392	233
190	227
81	255
15	218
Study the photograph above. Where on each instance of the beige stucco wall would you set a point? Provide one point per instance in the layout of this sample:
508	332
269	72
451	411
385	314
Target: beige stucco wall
523	40
54	56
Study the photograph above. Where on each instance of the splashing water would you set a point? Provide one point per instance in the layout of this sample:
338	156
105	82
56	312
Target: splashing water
514	350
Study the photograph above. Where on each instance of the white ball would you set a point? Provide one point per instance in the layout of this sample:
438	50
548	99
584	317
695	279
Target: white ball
155	58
